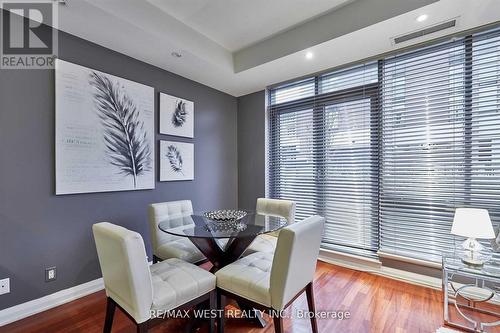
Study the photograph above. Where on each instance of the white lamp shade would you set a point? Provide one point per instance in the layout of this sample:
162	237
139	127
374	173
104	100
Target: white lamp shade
472	223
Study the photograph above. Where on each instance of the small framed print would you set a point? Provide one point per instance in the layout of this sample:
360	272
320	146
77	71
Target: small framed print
176	161
176	116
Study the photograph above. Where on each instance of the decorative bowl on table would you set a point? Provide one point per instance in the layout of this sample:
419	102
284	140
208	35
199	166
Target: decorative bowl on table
225	227
225	215
225	220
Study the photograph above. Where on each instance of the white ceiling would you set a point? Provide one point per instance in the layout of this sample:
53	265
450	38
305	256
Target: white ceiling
206	36
235	24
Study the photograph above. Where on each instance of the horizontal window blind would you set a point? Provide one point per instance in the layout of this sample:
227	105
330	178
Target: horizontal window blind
323	154
350	182
293	175
387	150
440	143
423	150
485	126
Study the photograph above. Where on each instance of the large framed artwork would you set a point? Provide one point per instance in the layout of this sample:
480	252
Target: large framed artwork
104	132
176	116
176	161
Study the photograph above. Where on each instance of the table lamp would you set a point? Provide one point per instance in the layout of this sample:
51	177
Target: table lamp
472	223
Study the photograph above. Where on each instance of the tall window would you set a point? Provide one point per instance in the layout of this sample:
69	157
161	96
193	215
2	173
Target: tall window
387	150
324	155
423	150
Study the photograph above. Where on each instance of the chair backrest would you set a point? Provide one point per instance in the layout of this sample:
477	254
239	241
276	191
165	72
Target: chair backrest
277	207
294	261
125	269
164	212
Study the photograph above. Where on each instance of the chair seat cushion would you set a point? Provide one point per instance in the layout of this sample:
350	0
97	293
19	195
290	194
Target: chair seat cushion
262	243
274	234
176	282
181	248
248	277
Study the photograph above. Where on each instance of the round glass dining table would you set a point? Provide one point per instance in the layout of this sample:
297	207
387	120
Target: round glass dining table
221	242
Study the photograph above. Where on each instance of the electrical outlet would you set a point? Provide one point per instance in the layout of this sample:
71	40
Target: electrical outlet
50	274
4	286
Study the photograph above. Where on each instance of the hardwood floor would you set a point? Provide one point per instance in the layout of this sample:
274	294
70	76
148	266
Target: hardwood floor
376	304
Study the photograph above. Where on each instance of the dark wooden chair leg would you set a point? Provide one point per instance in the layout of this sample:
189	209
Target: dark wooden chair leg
221	304
278	324
256	315
142	327
110	312
213	305
312	306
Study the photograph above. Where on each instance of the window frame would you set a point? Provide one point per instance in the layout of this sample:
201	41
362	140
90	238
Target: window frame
318	104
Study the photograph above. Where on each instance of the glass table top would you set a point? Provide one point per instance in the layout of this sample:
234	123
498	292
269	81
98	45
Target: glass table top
452	262
198	226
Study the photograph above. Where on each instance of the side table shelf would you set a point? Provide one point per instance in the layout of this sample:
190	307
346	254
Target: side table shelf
477	286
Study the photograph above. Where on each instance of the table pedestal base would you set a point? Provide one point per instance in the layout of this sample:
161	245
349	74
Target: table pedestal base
222	257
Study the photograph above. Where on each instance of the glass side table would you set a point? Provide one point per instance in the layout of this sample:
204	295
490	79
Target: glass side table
466	288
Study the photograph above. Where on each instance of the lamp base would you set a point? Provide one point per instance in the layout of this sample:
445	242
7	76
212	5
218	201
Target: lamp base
473	254
476	263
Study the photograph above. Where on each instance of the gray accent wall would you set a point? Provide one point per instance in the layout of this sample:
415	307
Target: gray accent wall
251	148
39	229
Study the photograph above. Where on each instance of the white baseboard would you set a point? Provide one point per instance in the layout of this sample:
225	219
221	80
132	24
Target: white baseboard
35	306
38	305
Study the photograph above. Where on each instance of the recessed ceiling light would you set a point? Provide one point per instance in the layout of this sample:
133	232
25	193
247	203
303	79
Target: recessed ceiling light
176	54
309	55
422	18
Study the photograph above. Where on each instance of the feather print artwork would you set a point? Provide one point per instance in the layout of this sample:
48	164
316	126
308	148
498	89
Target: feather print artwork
124	134
176	161
176	116
180	114
104	132
174	158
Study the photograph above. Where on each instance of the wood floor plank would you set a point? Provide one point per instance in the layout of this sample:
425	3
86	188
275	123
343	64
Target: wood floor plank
376	304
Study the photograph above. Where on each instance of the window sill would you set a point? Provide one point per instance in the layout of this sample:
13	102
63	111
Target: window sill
418	262
374	266
348	260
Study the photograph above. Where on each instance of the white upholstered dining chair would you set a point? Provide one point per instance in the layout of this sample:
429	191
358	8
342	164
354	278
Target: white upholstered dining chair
166	246
141	290
274	207
272	282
